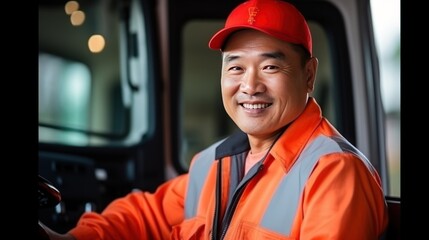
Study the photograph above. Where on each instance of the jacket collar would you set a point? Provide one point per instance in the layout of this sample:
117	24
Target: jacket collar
298	134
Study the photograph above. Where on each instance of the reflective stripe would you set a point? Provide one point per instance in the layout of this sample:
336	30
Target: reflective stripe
197	175
290	188
282	208
347	147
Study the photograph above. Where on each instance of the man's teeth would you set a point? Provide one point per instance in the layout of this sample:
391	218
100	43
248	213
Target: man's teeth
255	106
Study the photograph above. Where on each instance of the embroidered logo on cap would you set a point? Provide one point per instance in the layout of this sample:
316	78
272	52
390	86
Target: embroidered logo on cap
252	14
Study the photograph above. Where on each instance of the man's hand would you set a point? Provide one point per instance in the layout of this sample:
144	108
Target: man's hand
49	234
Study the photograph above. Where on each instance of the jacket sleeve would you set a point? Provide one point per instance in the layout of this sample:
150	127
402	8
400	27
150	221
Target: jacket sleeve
342	200
138	215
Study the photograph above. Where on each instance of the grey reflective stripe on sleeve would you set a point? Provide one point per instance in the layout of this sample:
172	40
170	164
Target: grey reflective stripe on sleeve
197	177
347	147
282	208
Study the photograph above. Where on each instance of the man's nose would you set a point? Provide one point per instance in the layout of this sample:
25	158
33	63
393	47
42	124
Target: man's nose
252	83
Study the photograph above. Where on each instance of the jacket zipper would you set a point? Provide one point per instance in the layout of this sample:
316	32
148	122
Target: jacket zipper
214	233
231	208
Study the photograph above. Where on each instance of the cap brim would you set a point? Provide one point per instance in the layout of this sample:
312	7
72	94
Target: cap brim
218	40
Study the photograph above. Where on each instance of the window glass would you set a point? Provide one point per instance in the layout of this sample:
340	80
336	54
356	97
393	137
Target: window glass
80	97
386	22
203	118
64	88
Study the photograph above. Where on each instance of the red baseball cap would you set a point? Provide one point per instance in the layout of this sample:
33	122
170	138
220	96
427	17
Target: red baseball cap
276	18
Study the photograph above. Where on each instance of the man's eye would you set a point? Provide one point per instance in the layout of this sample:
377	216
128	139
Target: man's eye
270	67
235	68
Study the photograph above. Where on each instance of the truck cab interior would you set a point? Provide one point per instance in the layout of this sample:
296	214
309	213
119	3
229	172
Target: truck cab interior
129	91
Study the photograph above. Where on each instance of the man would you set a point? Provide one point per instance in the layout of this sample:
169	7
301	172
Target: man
288	174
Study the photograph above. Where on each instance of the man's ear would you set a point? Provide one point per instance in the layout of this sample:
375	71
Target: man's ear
311	70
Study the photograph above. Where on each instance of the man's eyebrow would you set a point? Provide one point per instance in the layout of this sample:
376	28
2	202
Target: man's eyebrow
275	55
230	57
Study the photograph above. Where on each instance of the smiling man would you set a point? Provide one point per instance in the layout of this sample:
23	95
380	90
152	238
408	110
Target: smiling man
265	84
287	174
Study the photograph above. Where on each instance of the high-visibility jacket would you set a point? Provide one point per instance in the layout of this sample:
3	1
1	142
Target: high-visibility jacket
313	184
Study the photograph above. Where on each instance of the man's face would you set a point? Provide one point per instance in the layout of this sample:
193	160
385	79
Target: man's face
264	82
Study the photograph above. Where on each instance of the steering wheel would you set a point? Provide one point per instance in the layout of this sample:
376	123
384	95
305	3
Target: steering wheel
48	196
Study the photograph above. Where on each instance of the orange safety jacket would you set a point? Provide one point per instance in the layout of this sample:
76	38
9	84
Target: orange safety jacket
313	184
